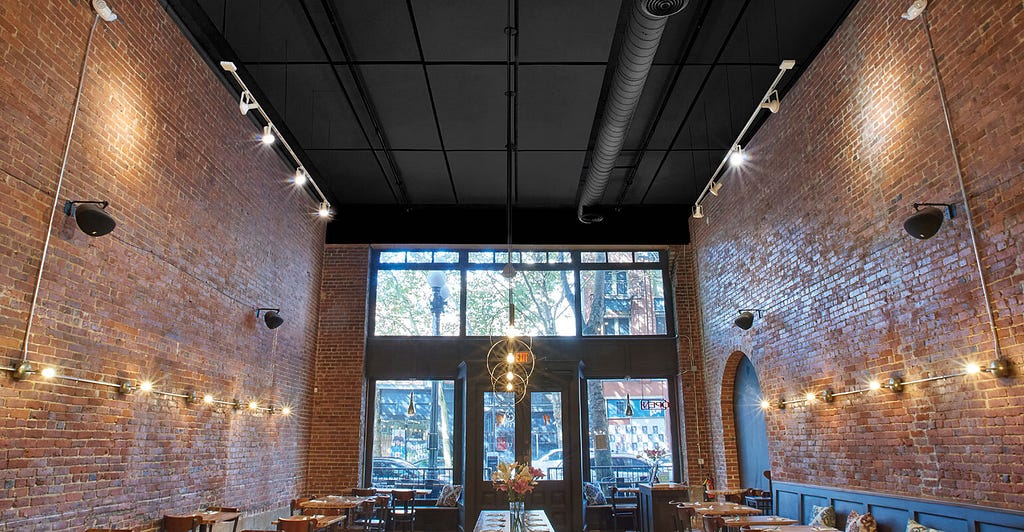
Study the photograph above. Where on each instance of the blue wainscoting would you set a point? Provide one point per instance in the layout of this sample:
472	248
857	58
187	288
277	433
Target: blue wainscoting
892	512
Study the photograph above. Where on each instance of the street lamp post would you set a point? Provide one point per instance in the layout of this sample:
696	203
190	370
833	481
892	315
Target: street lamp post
438	300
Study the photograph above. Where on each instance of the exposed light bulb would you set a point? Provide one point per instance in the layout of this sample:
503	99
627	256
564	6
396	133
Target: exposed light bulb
300	176
49	373
268	137
875	385
737	157
973	369
208	399
285	411
509	387
765	405
809	397
253	405
510	376
510	358
146	386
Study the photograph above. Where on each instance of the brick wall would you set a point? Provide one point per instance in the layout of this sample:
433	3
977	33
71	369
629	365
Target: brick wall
812	231
336	438
207	231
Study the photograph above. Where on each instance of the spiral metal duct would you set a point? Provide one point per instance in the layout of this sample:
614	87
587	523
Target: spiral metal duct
647	21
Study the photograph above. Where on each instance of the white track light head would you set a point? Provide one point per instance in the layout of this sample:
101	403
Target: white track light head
737	157
915	9
246	103
771	103
715	187
698	211
268	137
300	176
103	10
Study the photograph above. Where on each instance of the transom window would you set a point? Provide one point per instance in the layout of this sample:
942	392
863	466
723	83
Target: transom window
443	292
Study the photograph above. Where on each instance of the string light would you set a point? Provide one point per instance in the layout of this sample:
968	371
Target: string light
126	387
998	368
247	102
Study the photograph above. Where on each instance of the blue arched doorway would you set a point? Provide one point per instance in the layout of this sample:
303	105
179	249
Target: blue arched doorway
751	430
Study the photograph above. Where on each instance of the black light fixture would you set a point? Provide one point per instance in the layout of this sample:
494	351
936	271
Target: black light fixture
924	223
629	406
272	317
411	411
746	318
91	217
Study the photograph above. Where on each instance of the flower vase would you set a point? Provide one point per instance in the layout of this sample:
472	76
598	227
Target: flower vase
654	473
516	514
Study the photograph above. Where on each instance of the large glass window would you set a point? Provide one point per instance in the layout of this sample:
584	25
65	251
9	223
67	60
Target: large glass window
412	435
546	433
499	431
555	292
629	424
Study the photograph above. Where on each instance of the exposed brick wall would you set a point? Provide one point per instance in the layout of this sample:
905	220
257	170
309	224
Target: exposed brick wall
207	230
812	231
336	437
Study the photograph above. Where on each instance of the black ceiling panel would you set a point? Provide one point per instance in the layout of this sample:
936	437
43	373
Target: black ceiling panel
399	106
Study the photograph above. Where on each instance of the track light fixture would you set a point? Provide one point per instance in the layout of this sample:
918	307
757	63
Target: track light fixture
300	176
325	210
715	187
247	103
746	318
771	103
268	136
698	211
272	317
737	156
924	223
91	216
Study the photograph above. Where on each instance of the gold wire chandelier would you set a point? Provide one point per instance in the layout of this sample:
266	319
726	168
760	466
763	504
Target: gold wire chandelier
510	361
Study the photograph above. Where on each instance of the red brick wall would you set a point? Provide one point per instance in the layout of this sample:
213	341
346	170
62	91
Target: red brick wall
812	231
207	230
338	407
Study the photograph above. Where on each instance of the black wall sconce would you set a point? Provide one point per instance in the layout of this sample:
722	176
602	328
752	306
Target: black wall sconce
272	317
91	216
746	318
924	223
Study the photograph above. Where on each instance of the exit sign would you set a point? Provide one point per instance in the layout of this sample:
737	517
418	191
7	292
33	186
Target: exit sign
654	404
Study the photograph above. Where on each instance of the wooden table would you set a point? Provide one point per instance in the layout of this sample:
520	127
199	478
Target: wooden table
796	528
497	521
758	521
721	508
725	491
322	521
387	491
336	502
212	517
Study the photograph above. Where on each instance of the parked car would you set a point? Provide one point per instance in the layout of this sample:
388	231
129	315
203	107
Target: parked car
388	471
625	469
550	463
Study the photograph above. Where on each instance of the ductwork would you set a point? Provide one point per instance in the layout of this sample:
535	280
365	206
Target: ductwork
647	21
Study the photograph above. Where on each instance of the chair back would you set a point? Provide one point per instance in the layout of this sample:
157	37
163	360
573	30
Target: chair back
364	492
297	523
182	523
403	506
734	497
296	504
684	518
714	523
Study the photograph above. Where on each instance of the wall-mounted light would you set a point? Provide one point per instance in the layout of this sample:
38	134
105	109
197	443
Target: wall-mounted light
746	318
91	216
300	176
924	223
698	211
737	156
268	136
771	102
272	317
715	187
826	396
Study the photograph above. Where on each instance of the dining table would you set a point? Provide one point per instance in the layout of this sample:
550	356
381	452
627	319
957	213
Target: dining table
499	521
323	522
794	528
720	508
758	521
336	504
212	517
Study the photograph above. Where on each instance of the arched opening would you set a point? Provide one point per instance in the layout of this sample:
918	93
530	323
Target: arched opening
751	430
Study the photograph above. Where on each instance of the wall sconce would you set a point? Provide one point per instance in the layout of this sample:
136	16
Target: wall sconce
125	388
924	223
827	396
272	317
746	318
22	371
191	397
895	384
91	217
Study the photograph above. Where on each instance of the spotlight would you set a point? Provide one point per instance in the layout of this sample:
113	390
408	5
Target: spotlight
286	411
771	103
809	397
246	103
765	405
272	317
746	318
300	176
91	217
737	157
973	369
715	187
268	137
103	10
208	399
874	385
698	211
253	405
49	373
325	210
924	223
146	386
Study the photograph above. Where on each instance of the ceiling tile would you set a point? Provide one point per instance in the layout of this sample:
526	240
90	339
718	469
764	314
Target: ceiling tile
557	106
277	30
567	30
549	179
480	36
471	105
425	176
377	31
479	176
353	176
402	102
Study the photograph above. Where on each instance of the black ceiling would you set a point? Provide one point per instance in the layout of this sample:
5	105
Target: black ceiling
398	107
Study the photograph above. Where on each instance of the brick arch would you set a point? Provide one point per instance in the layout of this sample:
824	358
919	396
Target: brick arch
731	451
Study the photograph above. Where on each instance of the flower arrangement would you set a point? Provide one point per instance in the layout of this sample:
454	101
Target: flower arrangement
653	456
515	479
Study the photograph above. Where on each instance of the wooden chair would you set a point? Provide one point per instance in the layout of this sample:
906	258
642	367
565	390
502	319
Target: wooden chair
364	492
234	522
297	523
403	510
714	523
684	518
619	511
734	497
182	523
373	514
295	505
